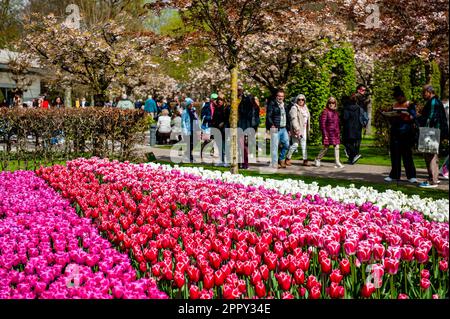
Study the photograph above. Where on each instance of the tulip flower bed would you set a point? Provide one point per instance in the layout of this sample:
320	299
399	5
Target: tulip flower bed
437	210
48	251
211	239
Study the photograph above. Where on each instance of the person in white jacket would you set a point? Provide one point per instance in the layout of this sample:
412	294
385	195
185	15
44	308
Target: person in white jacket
300	128
175	135
164	126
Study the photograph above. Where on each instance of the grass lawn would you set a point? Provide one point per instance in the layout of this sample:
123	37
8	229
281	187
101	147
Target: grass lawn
407	189
371	155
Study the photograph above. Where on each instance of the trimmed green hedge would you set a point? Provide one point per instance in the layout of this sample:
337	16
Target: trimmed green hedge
67	133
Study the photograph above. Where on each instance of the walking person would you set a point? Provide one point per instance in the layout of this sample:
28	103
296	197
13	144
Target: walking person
125	103
329	125
189	119
278	119
221	121
352	129
402	138
150	106
433	116
300	128
207	114
245	111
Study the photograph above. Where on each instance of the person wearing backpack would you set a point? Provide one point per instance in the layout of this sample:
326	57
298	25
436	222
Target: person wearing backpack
433	116
402	138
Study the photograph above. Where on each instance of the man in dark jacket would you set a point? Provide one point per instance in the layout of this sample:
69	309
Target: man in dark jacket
221	121
352	129
278	118
245	111
433	116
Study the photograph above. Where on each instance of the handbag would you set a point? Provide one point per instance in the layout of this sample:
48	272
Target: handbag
429	140
429	137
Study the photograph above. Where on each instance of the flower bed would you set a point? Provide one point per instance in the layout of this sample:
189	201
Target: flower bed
207	238
48	251
437	210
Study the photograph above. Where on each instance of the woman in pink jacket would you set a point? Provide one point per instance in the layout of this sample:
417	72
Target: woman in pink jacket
331	133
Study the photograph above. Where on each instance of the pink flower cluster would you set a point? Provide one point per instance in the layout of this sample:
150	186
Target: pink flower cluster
48	251
207	238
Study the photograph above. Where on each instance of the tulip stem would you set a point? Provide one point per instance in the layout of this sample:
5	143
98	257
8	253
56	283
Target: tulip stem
391	278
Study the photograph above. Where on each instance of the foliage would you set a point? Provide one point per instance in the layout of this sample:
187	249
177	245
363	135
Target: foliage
411	77
332	75
87	131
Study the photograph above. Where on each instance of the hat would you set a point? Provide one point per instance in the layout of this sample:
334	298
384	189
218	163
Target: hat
214	96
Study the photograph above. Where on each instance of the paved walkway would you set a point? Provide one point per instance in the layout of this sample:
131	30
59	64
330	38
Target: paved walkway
357	172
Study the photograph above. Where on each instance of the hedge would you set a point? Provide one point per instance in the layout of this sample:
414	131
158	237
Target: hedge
27	134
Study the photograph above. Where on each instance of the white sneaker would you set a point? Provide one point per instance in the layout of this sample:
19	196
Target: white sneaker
317	163
412	180
388	179
338	165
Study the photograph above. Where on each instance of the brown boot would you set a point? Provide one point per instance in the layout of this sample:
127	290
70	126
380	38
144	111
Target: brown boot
282	164
288	162
305	163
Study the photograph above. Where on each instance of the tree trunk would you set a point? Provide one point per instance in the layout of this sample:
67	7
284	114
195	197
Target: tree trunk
444	79
234	120
68	97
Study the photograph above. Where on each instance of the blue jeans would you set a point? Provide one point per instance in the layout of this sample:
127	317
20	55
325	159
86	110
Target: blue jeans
281	137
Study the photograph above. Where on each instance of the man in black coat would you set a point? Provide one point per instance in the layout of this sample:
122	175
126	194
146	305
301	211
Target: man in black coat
352	129
278	118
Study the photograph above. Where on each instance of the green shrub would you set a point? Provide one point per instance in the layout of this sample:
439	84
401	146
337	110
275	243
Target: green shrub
334	74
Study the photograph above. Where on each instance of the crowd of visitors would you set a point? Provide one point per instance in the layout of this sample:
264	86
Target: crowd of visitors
289	124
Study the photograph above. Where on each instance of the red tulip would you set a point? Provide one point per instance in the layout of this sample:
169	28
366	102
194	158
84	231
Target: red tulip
179	279
260	289
264	272
421	255
256	277
193	273
270	260
325	264
219	277
403	296
333	248
336	276
425	283
407	253
378	251
314	293
344	266
304	263
391	265
350	247
435	296
363	253
299	277
367	290
336	291
194	292
287	295
425	274
284	280
208	280
311	282
302	291
143	266
443	265
156	270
